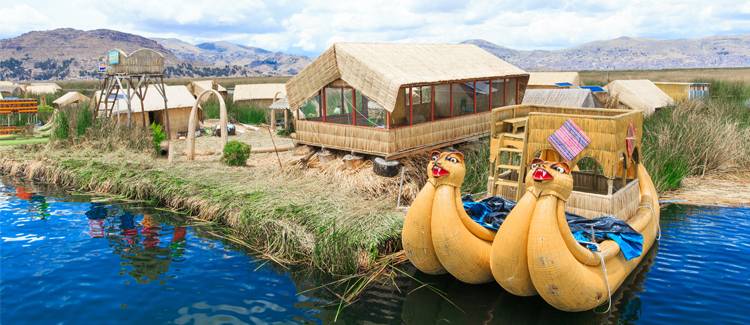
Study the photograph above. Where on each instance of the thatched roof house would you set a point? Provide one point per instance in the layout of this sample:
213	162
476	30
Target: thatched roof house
393	99
550	80
639	94
684	90
196	87
45	88
258	95
71	97
179	102
572	97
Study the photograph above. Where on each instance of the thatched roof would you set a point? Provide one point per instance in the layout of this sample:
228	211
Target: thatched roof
574	97
550	79
70	97
6	83
42	88
639	94
258	91
196	87
378	70
280	103
177	97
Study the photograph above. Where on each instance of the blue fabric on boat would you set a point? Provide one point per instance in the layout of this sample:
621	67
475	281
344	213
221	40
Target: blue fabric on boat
492	211
607	227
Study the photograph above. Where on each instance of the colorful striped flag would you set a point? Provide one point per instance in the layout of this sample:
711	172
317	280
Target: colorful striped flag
569	140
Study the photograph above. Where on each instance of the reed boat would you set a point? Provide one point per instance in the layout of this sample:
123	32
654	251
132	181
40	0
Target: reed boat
564	168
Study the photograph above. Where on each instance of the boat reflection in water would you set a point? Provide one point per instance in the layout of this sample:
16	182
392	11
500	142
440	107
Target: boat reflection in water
416	303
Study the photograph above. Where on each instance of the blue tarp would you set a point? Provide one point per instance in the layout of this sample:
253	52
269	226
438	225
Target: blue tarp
491	212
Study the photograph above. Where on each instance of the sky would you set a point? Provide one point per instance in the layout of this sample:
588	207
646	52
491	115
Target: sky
309	27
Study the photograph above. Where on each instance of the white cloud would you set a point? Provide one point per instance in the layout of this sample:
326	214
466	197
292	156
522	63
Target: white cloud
311	26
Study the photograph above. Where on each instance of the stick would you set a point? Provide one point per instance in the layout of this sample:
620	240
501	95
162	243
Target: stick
274	148
400	189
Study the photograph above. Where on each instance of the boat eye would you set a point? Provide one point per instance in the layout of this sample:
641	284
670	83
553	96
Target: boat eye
435	156
534	166
560	169
452	159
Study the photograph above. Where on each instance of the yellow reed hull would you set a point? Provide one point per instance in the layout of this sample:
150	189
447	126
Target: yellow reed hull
564	273
462	253
416	235
508	260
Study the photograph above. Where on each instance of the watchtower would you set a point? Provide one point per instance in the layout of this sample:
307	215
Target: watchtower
131	74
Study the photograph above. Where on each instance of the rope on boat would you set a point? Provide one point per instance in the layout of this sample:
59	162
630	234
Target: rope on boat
606	280
658	225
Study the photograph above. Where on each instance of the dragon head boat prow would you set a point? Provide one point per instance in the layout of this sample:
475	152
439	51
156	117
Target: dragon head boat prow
549	178
447	168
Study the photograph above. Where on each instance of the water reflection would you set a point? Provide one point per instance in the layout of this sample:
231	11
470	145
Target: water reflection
66	259
445	300
38	205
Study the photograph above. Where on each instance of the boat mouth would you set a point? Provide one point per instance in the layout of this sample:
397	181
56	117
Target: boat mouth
438	171
540	175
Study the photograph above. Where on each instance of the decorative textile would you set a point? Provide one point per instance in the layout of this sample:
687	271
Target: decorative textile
630	139
569	140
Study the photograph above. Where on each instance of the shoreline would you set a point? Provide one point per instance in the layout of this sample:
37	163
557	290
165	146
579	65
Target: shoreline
275	224
720	189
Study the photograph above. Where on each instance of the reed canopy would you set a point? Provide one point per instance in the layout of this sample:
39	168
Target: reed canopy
394	99
565	97
641	95
551	80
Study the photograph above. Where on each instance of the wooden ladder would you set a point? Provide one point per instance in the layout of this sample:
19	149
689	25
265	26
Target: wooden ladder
513	144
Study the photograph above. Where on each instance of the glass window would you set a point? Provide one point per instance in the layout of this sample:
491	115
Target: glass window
442	101
483	95
498	93
463	98
421	104
338	105
511	97
310	109
369	113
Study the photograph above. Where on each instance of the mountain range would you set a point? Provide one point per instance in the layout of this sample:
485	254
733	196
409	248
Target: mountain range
68	53
627	53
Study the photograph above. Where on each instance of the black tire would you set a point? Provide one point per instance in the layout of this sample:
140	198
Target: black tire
386	168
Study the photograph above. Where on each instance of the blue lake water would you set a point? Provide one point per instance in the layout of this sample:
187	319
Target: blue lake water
65	259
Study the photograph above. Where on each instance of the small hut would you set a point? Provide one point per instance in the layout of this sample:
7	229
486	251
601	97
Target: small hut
258	95
179	102
395	99
572	97
70	98
680	91
44	88
639	94
11	90
196	87
553	80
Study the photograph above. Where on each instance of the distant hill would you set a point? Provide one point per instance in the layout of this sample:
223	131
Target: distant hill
626	53
74	54
217	54
68	53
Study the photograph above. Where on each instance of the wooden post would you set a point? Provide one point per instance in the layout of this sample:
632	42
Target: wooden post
286	119
411	108
432	103
475	96
450	96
